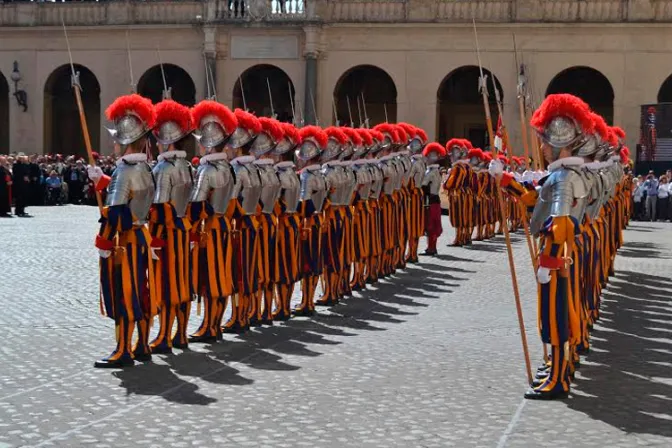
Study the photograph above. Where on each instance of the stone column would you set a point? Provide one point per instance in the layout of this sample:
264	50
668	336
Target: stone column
210	54
311	53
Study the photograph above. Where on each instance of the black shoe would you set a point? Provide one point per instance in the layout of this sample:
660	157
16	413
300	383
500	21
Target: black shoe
255	323
116	364
533	394
180	345
162	350
6	215
281	317
268	322
233	329
303	312
142	356
203	339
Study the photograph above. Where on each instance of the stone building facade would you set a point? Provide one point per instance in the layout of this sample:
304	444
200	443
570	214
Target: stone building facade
409	60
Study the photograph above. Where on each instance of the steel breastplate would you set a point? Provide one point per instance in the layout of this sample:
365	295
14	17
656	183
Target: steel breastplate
248	185
270	188
350	184
314	188
364	181
433	180
418	171
389	174
290	188
334	176
221	184
376	181
173	183
132	184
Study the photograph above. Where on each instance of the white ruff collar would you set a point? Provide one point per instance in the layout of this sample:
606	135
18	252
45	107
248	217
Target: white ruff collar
433	166
173	153
133	158
311	168
595	165
263	162
215	156
286	164
242	160
567	161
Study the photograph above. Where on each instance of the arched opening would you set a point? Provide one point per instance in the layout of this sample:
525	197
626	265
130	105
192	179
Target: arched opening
588	84
182	90
62	128
4	115
459	106
251	90
371	93
665	92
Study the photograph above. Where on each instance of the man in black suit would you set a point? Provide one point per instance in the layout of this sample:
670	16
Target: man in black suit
21	185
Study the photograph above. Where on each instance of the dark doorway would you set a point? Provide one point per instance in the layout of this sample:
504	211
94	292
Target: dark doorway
370	91
588	84
459	106
665	92
4	115
254	92
62	126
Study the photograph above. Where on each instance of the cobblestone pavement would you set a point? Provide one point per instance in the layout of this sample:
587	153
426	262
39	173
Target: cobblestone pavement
431	358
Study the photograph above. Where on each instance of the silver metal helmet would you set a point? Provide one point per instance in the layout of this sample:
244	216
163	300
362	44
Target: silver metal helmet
347	152
562	132
241	137
263	144
593	144
211	132
308	150
332	151
284	146
128	128
359	151
169	132
416	145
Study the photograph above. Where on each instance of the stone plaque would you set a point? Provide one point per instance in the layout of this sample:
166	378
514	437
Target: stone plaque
264	47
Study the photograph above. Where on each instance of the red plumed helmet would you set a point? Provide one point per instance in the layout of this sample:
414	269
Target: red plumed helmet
467	143
625	155
387	128
169	110
133	104
224	115
410	130
195	161
434	147
487	156
291	132
376	134
563	105
316	133
402	134
620	133
337	134
272	127
601	128
421	134
366	136
353	135
475	152
456	142
248	121
502	158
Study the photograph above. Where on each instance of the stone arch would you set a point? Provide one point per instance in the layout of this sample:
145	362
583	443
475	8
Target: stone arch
62	127
665	91
590	85
459	106
4	115
256	81
370	87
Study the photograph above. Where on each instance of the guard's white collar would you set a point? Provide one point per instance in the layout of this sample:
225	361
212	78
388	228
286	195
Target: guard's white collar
215	156
433	165
616	159
594	165
311	167
346	162
242	160
332	163
361	162
285	164
133	158
567	161
172	153
263	162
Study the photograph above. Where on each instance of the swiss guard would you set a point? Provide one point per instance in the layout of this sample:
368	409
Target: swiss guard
169	224
458	187
416	223
434	153
211	227
127	282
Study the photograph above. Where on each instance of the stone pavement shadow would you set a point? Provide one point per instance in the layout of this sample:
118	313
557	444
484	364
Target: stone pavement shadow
628	379
638	249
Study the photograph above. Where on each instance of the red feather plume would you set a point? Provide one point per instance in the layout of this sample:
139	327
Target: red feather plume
353	135
467	143
434	147
502	158
387	128
620	133
376	134
404	136
625	155
315	132
248	121
169	110
366	136
487	156
409	129
422	134
272	127
601	127
291	132
223	113
337	134
139	105
455	142
563	105
475	152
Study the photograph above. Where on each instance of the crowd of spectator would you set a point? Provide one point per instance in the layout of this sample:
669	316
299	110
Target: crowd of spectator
652	197
30	180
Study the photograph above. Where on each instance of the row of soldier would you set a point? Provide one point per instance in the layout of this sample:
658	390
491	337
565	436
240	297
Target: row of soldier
577	208
251	223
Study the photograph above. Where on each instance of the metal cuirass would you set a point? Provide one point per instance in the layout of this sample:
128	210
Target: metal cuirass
270	187
418	168
335	176
376	180
432	179
214	183
406	165
290	186
173	183
389	176
564	193
595	193
132	184
248	185
350	183
364	179
314	186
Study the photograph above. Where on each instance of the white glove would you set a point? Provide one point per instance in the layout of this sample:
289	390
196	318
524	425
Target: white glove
192	244
528	176
104	253
496	168
95	173
155	252
543	275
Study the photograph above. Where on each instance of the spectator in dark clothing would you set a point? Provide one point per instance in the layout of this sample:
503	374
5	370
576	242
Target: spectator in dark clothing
36	190
75	177
21	185
5	189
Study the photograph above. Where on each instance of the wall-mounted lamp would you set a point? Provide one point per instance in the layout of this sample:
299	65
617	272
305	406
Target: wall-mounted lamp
20	95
